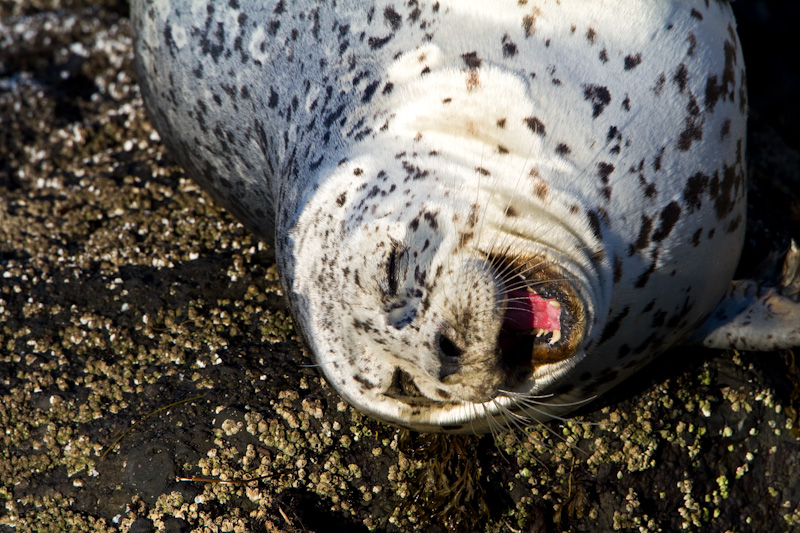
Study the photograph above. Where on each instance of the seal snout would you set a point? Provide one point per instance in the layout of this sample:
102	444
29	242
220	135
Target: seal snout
502	325
468	361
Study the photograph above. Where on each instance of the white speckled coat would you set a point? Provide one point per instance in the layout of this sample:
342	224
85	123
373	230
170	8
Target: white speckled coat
410	159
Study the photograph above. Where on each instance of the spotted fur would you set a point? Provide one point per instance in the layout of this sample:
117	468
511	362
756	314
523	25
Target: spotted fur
415	162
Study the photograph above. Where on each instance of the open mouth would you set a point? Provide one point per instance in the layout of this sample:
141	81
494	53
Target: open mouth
543	323
531	323
528	313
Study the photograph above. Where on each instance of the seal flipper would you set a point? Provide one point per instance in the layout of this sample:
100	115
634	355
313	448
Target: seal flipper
757	316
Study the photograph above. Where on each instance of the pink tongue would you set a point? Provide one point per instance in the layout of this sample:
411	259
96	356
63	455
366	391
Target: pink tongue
527	311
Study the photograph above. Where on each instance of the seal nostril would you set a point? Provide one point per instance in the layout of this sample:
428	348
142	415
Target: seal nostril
448	347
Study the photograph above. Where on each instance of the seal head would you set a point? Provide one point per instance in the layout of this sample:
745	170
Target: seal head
431	307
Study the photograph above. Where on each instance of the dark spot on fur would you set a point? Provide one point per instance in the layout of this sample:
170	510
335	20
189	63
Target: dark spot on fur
681	77
716	90
272	103
599	96
472	219
631	62
541	190
472	60
692	40
617	269
472	79
376	43
604	170
535	125
563	150
594	223
725	130
649	188
511	212
696	14
726	191
392	18
369	91
713	92
645	277
364	381
691	132
430	218
692	106
669	217
528	22
657	160
509	48
658	88
696	237
692	192
734	224
613	325
414	172
613	133
644	236
334	115
341	199
658	319
482	171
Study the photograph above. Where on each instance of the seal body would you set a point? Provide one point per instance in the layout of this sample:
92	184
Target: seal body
484	213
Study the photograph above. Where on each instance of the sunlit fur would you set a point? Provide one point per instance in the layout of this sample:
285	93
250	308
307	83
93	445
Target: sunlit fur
414	164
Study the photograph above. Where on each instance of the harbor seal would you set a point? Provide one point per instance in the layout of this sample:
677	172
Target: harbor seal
484	214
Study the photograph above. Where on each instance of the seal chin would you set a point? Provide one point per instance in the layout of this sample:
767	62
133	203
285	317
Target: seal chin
404	405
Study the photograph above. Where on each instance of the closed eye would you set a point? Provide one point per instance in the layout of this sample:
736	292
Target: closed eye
391	268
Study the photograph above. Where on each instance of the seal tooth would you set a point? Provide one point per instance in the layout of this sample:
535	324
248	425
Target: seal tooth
540	331
554	304
556	336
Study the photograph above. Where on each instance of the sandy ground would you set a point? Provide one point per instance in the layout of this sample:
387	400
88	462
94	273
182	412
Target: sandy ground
128	301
